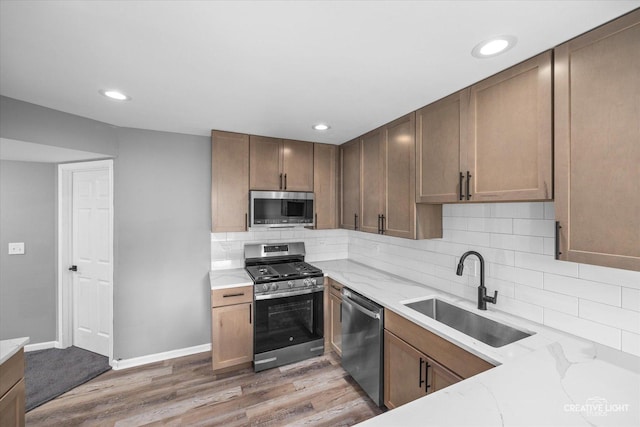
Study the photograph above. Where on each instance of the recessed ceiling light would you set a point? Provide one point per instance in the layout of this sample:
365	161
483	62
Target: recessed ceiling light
494	46
321	126
114	94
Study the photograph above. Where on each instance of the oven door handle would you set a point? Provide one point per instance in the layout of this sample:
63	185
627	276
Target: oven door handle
288	294
354	304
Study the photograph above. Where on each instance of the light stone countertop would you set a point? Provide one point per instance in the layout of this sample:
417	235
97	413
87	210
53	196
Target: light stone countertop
10	347
550	378
233	278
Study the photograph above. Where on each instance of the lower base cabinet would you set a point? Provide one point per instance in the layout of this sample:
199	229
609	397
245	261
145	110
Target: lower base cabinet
335	313
410	374
418	362
12	391
231	328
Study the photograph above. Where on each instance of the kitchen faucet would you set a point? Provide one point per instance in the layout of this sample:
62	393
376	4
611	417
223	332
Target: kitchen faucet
483	299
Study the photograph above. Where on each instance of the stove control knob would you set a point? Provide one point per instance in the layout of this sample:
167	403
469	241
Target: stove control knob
265	287
313	281
274	287
290	284
306	282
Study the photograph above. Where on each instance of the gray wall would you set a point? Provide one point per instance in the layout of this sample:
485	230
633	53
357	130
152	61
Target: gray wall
28	282
162	231
162	238
23	121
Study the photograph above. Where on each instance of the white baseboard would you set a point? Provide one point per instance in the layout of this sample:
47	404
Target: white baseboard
158	357
41	346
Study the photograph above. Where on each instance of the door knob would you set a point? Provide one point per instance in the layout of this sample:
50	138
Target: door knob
73	268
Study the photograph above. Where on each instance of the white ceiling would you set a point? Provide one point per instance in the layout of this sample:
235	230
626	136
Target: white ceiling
268	68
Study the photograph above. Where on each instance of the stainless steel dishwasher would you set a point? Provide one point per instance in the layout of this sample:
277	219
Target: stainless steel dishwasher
362	342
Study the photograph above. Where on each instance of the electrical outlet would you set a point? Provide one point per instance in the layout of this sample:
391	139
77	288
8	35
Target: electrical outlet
16	248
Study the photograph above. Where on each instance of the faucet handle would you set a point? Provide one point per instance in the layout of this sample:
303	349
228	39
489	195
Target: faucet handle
492	299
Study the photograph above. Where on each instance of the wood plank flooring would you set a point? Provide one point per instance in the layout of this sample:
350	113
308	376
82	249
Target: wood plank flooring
185	392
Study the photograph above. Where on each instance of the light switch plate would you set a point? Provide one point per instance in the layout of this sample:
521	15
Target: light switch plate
16	248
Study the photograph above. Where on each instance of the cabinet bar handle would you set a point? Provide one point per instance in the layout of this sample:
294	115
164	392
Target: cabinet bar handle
379	221
336	288
341	312
355	221
382	227
420	380
246	221
461	179
468	181
426	376
280	182
250	314
316	221
558	227
232	295
285	181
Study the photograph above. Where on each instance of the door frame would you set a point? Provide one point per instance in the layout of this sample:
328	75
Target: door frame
65	254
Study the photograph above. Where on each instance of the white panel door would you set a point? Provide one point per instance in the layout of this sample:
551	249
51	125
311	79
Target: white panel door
92	254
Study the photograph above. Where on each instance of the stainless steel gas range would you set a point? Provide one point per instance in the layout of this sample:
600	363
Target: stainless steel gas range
288	304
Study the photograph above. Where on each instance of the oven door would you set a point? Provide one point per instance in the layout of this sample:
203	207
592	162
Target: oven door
285	320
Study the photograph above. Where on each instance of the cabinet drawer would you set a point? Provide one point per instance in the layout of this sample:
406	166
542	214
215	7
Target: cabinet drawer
335	288
11	371
230	296
454	358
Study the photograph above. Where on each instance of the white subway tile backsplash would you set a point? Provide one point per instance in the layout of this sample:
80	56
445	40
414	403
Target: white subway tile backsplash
594	331
593	291
614	276
534	227
517	242
564	303
631	343
518	308
631	299
532	210
491	225
549	210
609	315
545	264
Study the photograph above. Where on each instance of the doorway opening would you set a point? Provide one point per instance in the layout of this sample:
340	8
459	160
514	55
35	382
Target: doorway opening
85	256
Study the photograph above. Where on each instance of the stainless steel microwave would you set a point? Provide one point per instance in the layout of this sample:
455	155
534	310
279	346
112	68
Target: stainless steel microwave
273	209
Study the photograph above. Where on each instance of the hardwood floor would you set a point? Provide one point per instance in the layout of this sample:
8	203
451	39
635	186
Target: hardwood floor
184	391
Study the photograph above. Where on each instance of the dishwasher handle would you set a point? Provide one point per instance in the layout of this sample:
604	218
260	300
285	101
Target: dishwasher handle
353	303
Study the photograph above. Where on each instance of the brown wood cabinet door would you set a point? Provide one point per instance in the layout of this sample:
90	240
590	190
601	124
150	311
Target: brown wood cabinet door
400	178
231	335
265	159
509	155
297	165
12	406
229	181
335	332
597	152
404	372
350	185
440	132
372	185
325	184
440	377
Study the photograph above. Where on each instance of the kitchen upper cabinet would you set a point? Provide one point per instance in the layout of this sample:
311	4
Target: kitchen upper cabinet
440	132
350	184
509	143
489	142
229	181
387	185
280	165
372	185
325	185
597	145
231	328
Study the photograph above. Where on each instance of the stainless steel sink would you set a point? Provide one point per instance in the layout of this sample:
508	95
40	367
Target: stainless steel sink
486	330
